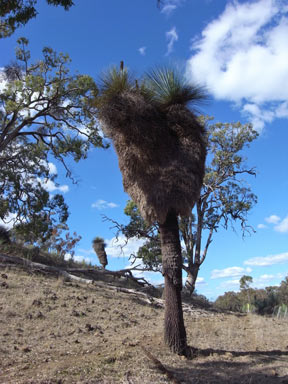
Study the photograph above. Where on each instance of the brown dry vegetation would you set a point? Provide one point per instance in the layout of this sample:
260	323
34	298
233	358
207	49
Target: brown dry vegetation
54	331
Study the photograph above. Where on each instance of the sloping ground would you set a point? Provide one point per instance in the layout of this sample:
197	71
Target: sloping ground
54	331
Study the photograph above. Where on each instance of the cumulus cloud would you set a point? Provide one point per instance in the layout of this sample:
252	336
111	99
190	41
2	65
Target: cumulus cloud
50	186
172	37
118	247
268	260
273	219
229	272
282	226
241	56
267	279
142	51
103	204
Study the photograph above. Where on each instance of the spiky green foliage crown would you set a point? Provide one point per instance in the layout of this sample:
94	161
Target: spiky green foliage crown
114	81
164	86
168	87
97	240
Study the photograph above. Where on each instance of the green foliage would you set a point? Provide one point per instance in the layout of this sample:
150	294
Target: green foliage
61	242
136	226
16	13
163	87
43	215
230	301
48	106
283	291
45	112
225	196
262	301
245	282
150	254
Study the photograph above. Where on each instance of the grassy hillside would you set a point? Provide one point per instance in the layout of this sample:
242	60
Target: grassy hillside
54	331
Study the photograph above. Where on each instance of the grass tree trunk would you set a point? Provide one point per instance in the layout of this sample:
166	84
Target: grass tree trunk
174	329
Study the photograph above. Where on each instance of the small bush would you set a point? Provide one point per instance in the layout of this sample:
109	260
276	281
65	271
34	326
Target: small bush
4	235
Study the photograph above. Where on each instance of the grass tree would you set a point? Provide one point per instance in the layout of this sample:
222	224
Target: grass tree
161	151
99	248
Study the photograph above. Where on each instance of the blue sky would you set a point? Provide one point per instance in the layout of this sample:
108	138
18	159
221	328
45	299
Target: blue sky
239	50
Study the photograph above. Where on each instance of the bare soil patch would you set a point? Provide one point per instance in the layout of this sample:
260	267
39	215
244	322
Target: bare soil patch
54	331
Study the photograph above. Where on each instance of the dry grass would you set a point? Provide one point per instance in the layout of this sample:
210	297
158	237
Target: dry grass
58	332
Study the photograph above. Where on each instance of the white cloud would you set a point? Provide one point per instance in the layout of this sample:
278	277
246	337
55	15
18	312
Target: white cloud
78	258
172	37
154	278
142	51
170	6
50	186
261	226
282	226
267	279
3	81
200	281
268	260
242	57
52	169
230	284
273	219
229	272
168	9
103	204
279	225
9	221
118	247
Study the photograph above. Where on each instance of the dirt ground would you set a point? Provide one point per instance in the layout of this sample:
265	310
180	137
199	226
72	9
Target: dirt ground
56	332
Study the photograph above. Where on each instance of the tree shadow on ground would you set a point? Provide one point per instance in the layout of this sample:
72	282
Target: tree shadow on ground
196	352
223	372
260	369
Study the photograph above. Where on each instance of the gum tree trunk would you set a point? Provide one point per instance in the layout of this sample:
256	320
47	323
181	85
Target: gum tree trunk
174	329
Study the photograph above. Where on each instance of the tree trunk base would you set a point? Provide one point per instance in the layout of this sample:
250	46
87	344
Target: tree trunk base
175	334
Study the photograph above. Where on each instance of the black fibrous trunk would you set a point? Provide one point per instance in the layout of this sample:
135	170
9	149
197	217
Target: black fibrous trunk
174	329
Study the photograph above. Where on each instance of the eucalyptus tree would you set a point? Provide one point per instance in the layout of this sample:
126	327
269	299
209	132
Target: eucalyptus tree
161	151
45	113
